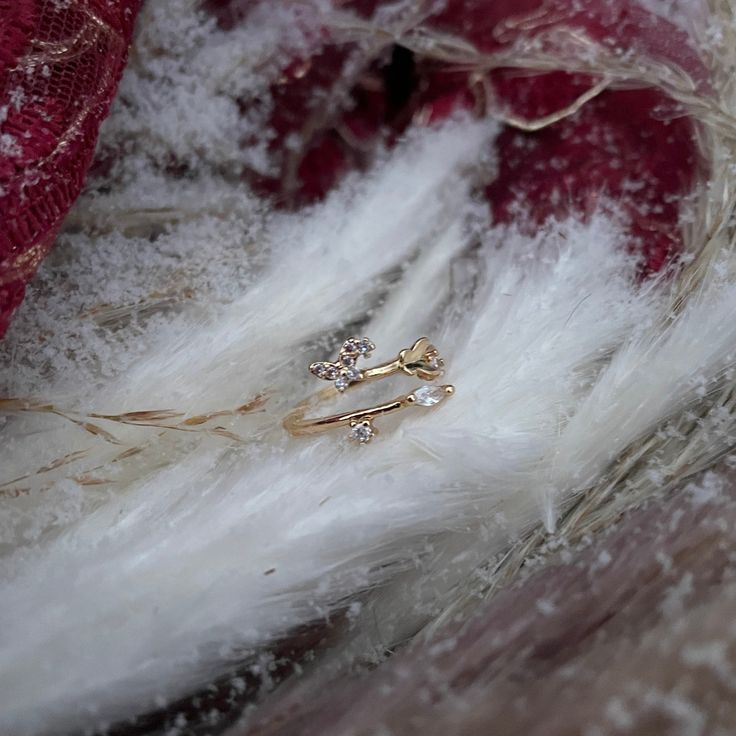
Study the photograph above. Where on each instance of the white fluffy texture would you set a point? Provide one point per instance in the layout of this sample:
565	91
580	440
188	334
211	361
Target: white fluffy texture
314	279
143	590
658	372
119	596
95	327
166	574
156	583
191	66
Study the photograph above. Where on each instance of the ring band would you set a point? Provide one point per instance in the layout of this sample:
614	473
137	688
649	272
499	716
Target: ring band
421	359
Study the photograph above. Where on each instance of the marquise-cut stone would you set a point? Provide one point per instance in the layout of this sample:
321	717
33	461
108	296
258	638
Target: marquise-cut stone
429	395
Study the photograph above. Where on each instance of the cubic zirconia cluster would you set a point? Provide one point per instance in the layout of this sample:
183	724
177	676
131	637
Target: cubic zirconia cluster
344	371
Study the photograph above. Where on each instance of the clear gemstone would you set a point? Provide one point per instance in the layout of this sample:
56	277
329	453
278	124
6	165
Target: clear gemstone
350	345
342	383
429	395
362	432
346	359
365	346
324	370
352	374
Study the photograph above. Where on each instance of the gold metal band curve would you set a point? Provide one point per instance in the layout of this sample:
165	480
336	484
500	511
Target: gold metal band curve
421	359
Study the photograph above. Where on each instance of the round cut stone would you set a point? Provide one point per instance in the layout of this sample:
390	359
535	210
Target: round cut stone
342	383
365	346
362	432
429	395
352	374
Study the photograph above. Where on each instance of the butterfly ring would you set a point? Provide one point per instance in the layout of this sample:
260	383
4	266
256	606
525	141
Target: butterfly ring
421	360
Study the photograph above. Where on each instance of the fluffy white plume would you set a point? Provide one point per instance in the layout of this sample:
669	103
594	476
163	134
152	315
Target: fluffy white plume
217	549
140	555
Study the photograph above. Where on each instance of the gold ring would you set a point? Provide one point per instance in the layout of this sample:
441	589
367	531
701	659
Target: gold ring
421	360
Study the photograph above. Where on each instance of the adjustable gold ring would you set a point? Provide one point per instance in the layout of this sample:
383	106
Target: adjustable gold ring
421	360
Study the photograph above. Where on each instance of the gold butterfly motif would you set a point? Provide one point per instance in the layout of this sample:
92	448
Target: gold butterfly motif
344	371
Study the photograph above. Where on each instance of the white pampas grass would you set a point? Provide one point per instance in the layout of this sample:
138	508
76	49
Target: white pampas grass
201	551
141	558
325	269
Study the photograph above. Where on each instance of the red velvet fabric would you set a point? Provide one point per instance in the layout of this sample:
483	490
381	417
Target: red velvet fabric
59	67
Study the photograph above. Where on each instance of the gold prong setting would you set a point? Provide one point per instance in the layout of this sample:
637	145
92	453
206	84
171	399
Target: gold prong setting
362	432
422	360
